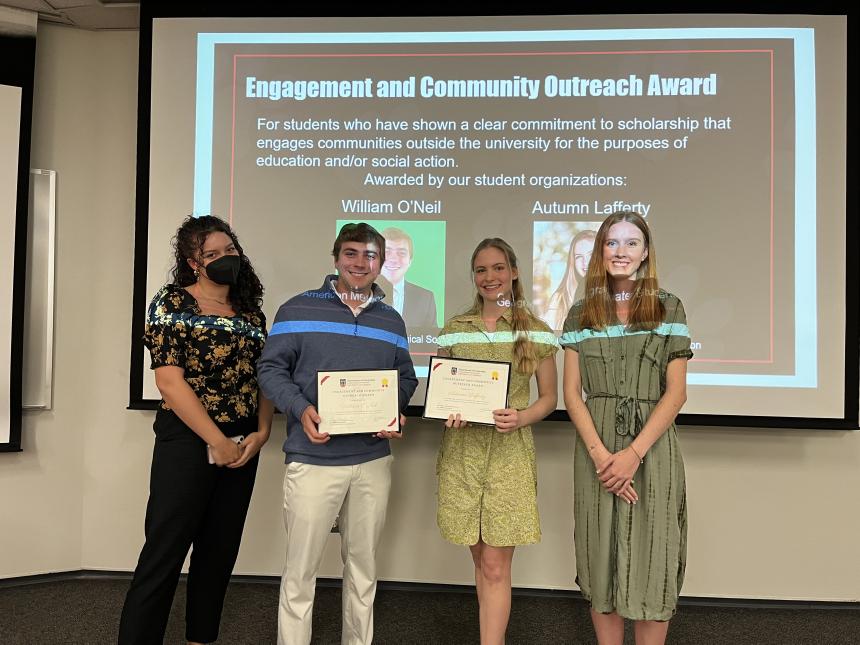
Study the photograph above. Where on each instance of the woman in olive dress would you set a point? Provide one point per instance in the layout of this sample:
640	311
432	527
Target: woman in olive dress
627	345
487	497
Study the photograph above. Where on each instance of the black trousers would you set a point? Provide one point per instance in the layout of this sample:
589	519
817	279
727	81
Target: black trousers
191	504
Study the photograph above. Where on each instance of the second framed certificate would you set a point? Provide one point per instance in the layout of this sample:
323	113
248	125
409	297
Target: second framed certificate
470	388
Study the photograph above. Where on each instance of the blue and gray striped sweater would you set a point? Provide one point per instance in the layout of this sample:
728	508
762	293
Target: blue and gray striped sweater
315	331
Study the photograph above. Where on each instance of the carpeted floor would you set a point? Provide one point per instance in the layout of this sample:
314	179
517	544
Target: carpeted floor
86	611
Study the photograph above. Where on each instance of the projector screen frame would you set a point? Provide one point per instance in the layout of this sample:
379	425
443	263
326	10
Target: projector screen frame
851	380
19	50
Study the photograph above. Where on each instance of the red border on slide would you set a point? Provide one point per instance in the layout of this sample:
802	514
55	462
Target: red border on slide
767	361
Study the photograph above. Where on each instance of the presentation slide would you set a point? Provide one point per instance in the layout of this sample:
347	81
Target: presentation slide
441	132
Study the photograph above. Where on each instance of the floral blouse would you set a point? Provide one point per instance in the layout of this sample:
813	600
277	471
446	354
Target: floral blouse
218	353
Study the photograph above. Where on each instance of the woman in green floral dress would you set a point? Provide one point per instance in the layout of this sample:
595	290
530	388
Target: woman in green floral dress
487	474
627	345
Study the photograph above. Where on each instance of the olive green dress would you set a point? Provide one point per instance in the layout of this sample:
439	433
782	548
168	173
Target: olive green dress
630	558
488	479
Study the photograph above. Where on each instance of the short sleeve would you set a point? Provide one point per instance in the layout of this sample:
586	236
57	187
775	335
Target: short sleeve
677	330
571	334
545	342
447	337
258	320
166	330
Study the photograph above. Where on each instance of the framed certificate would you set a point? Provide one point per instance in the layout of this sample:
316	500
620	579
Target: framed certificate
358	401
470	388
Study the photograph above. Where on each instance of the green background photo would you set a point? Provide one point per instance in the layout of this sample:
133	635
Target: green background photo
428	255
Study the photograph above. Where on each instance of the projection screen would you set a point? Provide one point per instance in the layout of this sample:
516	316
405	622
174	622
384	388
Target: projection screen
726	132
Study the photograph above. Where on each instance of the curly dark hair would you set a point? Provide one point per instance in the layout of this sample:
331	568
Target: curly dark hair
247	294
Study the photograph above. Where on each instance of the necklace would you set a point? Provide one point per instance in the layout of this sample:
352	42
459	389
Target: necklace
199	294
220	302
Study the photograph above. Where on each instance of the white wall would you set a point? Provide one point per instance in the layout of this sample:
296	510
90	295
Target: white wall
773	513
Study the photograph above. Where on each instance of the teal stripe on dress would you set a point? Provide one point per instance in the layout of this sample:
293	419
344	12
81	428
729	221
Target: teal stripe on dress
475	338
617	331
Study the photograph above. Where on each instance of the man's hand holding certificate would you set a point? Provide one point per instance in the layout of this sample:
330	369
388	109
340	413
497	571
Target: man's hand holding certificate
468	388
358	401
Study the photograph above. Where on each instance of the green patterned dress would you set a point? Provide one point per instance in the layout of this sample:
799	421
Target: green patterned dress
630	558
488	479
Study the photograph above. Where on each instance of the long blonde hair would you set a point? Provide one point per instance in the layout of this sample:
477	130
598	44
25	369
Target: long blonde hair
646	308
522	318
569	287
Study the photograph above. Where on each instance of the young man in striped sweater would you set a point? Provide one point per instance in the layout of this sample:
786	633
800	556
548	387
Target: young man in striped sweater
343	325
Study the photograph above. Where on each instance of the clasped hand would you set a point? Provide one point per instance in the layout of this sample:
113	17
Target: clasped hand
225	452
228	453
616	471
250	446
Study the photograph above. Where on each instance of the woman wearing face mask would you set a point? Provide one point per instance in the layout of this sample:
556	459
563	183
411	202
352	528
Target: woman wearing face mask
627	345
205	332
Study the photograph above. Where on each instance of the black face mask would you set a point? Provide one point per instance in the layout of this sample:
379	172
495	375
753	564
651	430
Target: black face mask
224	270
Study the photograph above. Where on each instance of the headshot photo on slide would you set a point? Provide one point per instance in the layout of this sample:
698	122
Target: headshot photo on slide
413	274
562	251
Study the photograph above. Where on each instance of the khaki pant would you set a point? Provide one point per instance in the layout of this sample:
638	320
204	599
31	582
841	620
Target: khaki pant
313	497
